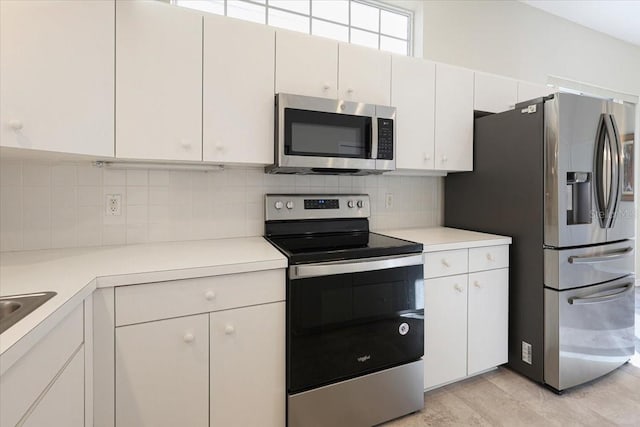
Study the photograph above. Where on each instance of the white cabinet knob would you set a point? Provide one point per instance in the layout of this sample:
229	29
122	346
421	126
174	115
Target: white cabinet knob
326	87
490	257
476	284
210	295
219	147
427	156
445	263
458	287
15	124
444	158
229	329
350	91
185	144
188	337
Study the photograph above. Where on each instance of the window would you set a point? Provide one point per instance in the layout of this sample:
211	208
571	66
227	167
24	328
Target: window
363	22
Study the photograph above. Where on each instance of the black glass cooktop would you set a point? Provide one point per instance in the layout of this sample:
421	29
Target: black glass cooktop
338	246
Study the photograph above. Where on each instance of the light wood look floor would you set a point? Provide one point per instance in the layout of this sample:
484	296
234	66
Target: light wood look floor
505	398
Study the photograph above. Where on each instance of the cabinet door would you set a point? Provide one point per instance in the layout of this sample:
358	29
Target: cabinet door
63	403
413	94
527	91
247	365
454	118
488	319
364	75
56	75
158	81
494	94
238	91
306	65
162	373
445	340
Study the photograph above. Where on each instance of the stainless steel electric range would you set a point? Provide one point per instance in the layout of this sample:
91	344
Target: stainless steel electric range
355	312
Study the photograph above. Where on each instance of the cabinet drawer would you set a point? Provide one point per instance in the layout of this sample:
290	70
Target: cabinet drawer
488	258
154	301
21	385
445	263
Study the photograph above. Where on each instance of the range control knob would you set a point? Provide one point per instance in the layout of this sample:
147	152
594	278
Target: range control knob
360	203
278	205
350	203
289	204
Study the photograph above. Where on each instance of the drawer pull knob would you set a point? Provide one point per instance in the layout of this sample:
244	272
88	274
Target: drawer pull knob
458	287
229	329
210	295
490	257
188	337
476	284
15	125
445	263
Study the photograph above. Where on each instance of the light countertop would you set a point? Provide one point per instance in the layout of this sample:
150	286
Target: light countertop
75	273
445	238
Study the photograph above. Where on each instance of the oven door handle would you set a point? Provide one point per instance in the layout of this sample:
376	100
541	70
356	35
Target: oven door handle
343	267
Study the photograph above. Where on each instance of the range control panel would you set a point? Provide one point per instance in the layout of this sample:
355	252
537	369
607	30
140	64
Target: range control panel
316	206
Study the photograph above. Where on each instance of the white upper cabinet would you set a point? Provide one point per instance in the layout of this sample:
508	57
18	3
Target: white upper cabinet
364	75
158	81
413	94
454	118
494	94
56	75
306	65
527	91
238	102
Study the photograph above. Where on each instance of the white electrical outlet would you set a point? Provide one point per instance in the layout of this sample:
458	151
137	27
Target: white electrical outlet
388	200
113	204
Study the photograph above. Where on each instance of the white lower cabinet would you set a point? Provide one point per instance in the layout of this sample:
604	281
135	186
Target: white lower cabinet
162	373
248	366
466	315
218	364
488	319
63	402
445	356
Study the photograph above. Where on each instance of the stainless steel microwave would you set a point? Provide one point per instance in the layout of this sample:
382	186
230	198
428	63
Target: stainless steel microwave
327	136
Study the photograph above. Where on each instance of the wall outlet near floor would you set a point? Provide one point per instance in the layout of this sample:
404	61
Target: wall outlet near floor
388	200
113	203
526	352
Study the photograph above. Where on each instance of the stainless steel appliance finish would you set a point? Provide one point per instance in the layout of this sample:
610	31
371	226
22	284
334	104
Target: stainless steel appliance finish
15	307
583	165
360	402
371	163
561	199
355	312
569	268
588	331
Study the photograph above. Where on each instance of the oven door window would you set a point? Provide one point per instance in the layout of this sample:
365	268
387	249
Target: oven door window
346	325
314	133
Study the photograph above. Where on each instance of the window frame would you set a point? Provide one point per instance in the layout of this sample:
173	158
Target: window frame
379	5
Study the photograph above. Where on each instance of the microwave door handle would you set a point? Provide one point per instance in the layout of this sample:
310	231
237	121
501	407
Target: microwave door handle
621	292
374	137
599	170
616	160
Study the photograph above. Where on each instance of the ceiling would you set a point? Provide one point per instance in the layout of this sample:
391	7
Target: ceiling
617	18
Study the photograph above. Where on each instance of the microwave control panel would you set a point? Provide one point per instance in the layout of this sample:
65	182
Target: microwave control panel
385	139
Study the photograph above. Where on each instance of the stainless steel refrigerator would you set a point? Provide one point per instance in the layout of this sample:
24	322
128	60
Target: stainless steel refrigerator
556	174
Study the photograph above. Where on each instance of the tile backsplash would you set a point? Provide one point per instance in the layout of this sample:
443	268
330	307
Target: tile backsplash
59	205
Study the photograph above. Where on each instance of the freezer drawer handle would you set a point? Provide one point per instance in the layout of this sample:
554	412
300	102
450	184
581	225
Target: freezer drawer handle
607	256
594	300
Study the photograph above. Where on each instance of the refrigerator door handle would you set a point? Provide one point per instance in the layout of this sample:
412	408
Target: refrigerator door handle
599	158
607	256
616	160
621	292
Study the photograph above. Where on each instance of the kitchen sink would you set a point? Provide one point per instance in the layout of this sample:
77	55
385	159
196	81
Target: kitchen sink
16	307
